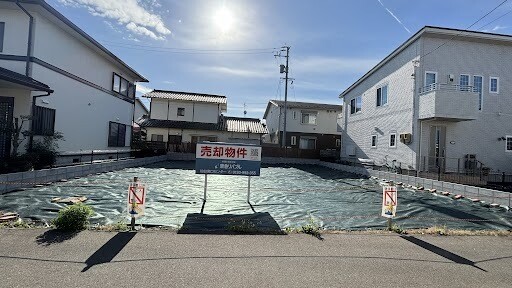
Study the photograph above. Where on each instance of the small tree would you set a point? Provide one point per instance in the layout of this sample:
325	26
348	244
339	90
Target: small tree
45	151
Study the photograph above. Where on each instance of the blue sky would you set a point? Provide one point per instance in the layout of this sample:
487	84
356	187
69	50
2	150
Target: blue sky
226	47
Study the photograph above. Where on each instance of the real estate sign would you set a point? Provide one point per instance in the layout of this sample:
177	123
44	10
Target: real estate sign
228	159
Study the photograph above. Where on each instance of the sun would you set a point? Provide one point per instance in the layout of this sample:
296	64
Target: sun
224	20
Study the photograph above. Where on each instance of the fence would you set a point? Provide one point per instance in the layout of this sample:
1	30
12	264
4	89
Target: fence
12	181
483	194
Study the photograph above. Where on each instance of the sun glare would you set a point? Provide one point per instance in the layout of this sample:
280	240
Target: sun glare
224	20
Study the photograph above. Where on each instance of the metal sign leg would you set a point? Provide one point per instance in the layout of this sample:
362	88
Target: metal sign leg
205	186
249	190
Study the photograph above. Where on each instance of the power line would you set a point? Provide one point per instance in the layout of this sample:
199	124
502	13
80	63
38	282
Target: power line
220	52
495	20
175	49
465	30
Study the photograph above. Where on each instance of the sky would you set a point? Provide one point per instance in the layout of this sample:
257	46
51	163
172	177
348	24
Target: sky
227	47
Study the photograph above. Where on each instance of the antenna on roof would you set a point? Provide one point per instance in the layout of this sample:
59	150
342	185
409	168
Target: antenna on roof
245	110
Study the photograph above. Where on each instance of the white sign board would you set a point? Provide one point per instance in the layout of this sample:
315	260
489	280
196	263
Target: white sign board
389	201
136	199
228	159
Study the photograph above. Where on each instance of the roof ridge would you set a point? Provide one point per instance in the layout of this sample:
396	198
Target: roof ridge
189	93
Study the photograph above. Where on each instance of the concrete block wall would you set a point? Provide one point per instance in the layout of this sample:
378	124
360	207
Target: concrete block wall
488	195
13	181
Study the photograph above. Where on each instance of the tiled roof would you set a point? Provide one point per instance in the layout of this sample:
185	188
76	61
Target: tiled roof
229	124
187	96
306	105
20	79
157	123
235	124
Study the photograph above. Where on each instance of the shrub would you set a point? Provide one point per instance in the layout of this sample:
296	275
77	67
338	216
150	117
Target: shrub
73	218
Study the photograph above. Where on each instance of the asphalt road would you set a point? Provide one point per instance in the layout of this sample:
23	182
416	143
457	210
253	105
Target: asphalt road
38	258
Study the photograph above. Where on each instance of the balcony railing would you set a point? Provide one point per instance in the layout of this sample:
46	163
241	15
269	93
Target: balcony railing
446	87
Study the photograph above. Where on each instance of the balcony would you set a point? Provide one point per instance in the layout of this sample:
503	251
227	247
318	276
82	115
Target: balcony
448	102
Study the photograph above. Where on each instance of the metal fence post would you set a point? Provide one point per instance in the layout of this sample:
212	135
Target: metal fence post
92	155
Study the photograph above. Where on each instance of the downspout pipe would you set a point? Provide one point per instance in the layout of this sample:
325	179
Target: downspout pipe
29	43
32	112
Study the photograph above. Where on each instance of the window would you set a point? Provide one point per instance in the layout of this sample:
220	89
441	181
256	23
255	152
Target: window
382	96
464	82
338	142
508	144
181	111
44	121
494	85
307	143
430	78
123	87
294	114
309	118
355	105
392	140
156	137
478	87
197	139
2	28
293	140
116	134
374	141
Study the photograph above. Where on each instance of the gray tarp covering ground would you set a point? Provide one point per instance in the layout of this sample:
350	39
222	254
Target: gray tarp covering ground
293	196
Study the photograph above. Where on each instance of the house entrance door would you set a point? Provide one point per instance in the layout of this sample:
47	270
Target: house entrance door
437	148
6	115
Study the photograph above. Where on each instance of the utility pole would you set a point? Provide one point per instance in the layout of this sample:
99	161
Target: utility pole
285	71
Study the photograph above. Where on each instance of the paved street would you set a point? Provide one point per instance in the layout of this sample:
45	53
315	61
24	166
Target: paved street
38	258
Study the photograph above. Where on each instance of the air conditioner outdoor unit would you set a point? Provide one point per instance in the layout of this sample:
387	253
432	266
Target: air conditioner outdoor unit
406	138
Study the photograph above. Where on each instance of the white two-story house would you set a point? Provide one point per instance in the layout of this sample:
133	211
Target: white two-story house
308	125
66	81
185	117
441	100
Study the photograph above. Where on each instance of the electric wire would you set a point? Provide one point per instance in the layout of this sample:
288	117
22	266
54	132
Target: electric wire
465	30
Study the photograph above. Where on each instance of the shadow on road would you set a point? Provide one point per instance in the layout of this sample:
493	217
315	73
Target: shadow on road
54	237
228	224
109	250
441	252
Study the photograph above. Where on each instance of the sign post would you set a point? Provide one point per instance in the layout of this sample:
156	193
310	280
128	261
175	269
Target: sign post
136	200
389	202
228	159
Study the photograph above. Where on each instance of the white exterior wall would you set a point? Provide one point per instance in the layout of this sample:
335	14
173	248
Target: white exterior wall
15	33
222	136
165	109
82	112
395	117
478	136
58	47
139	110
326	121
272	122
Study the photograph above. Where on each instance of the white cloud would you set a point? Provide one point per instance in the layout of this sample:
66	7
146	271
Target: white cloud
129	13
239	72
143	89
498	27
394	16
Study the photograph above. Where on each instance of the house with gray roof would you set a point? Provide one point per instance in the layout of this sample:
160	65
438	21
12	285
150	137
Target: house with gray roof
439	102
308	126
186	117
